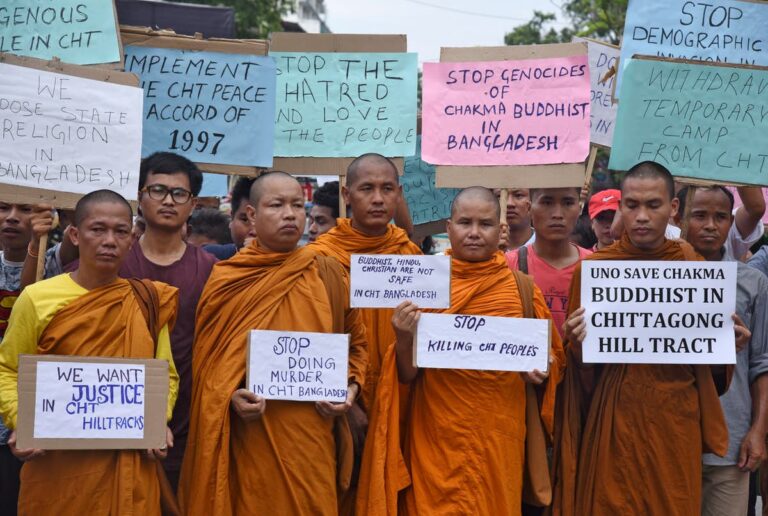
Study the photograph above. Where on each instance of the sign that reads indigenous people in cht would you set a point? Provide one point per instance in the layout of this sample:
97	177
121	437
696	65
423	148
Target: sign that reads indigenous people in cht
700	121
602	58
426	202
68	134
212	107
337	105
659	312
528	112
451	341
386	280
728	31
298	366
81	32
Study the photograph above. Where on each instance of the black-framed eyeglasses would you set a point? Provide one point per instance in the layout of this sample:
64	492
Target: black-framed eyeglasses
160	192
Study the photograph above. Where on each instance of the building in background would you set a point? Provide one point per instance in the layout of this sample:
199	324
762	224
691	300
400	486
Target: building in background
309	16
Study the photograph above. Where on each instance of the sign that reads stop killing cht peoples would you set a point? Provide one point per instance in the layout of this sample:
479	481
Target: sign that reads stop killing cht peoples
298	366
212	107
336	105
386	280
526	112
649	312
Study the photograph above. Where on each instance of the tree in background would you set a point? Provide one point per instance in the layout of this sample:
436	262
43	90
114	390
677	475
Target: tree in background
534	32
254	19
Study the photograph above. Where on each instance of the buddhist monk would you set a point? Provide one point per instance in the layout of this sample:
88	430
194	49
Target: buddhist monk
90	313
247	455
466	430
632	436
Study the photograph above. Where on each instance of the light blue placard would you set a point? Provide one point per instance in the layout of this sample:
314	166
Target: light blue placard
700	121
214	185
209	106
335	105
728	31
76	31
425	202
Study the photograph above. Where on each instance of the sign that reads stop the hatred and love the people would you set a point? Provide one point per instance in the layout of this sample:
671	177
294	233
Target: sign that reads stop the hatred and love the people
525	112
213	107
649	312
700	121
68	134
452	341
602	59
298	366
386	280
336	105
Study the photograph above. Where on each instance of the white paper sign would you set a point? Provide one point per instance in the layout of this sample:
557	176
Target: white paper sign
69	134
78	400
648	312
299	366
386	280
451	341
602	57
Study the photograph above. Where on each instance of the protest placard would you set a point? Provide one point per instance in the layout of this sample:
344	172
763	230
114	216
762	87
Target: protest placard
653	312
426	202
729	31
701	121
81	403
63	133
452	341
386	280
81	32
298	366
603	57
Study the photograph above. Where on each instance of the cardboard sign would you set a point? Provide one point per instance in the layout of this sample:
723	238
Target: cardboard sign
298	366
426	202
210	106
728	31
531	112
700	121
602	58
386	280
68	134
88	403
648	312
80	32
451	341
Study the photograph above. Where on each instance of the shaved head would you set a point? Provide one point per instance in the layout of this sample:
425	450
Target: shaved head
651	170
257	188
99	196
366	161
476	194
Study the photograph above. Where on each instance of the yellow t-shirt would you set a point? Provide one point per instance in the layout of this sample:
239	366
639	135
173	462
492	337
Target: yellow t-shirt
31	313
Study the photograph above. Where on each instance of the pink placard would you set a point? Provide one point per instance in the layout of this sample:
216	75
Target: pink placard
527	112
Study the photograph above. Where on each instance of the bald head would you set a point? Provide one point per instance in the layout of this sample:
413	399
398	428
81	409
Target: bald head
476	195
86	203
257	188
651	170
367	162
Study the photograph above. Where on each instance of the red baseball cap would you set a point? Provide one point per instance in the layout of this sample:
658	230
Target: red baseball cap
604	201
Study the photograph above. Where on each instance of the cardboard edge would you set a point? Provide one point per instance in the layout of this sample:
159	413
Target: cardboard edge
524	176
83	72
147	37
434	227
322	166
512	53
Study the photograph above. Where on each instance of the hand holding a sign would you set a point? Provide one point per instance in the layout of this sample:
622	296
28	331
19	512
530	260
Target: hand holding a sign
575	328
328	409
405	320
248	405
742	333
162	453
41	222
536	377
23	455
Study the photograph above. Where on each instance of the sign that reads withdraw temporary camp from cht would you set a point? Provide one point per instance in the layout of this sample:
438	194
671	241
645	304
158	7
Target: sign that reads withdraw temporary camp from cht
700	121
659	312
68	134
386	280
528	112
298	366
450	341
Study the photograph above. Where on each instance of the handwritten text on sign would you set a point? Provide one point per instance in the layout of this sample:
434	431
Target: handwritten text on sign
529	112
727	31
602	58
659	312
79	400
426	202
450	341
210	106
298	366
345	104
700	121
386	280
64	133
76	31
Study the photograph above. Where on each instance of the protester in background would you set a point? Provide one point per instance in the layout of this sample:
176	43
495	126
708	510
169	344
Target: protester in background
139	226
517	231
324	211
208	226
602	209
240	228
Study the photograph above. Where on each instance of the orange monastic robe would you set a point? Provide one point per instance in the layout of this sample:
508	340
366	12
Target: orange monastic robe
285	462
631	436
465	433
343	241
105	322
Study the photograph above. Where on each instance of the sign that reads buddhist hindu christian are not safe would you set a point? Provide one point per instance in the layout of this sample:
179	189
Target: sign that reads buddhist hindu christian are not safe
298	366
659	312
450	341
386	280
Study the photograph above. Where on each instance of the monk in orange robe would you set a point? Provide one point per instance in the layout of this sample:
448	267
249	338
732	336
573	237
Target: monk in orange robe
90	313
632	435
465	444
247	455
